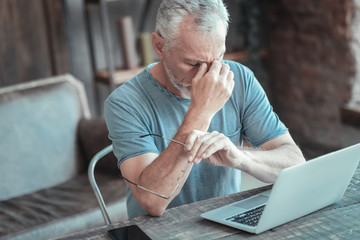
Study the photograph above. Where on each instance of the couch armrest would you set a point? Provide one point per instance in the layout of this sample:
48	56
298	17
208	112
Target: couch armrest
93	137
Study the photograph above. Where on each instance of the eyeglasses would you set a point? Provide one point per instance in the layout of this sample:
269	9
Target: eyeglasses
178	180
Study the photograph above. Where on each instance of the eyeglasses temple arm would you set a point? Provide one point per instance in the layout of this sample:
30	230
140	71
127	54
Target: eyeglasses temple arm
169	139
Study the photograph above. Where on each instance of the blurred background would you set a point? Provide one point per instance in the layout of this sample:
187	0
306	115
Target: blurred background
306	54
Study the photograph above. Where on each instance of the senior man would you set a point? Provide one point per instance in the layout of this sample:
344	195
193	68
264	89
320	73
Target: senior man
178	127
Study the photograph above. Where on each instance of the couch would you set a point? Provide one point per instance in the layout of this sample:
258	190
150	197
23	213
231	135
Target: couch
47	141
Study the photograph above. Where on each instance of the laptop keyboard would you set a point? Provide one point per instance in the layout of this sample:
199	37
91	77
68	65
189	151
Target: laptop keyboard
250	217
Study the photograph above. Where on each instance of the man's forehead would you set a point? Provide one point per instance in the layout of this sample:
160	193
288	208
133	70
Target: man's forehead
206	59
199	47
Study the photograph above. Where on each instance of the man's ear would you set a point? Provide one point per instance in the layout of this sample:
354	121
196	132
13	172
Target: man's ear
158	44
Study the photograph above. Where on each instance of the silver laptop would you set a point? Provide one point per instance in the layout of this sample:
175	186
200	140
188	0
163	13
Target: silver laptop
298	190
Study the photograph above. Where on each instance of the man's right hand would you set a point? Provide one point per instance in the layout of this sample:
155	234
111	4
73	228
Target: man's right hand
211	89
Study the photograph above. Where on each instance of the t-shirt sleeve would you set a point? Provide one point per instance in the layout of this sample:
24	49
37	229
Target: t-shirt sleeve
260	122
125	127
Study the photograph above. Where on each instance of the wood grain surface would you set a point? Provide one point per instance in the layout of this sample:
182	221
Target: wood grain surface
337	221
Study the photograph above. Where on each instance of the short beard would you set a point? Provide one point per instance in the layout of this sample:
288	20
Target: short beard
175	82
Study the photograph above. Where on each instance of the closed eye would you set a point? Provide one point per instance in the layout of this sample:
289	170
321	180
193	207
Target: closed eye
194	64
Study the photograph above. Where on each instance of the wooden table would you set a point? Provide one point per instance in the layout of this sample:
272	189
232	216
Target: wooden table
337	221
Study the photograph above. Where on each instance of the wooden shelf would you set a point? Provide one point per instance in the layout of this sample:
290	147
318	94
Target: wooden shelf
120	75
237	56
241	56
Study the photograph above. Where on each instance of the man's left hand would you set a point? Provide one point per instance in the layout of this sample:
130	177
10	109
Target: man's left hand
214	147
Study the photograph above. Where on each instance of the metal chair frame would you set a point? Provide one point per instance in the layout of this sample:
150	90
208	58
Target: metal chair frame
94	186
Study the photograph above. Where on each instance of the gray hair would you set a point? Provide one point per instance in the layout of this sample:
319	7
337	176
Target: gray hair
206	14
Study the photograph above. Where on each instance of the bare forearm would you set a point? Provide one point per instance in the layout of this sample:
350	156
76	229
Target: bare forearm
266	165
161	176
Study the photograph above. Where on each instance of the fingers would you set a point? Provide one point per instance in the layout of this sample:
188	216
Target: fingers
225	69
200	143
230	80
203	145
226	76
215	68
207	145
190	144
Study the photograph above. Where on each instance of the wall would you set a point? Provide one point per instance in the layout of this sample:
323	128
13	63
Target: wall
32	40
312	67
80	45
355	45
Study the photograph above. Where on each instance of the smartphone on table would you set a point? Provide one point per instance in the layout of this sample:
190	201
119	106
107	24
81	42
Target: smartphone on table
132	232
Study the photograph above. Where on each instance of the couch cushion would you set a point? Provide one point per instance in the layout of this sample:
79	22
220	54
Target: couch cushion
93	137
38	131
59	204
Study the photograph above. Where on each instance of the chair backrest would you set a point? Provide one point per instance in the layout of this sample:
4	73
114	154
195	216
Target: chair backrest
38	132
94	186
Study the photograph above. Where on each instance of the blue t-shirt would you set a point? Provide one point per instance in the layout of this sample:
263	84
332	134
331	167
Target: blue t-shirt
142	106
